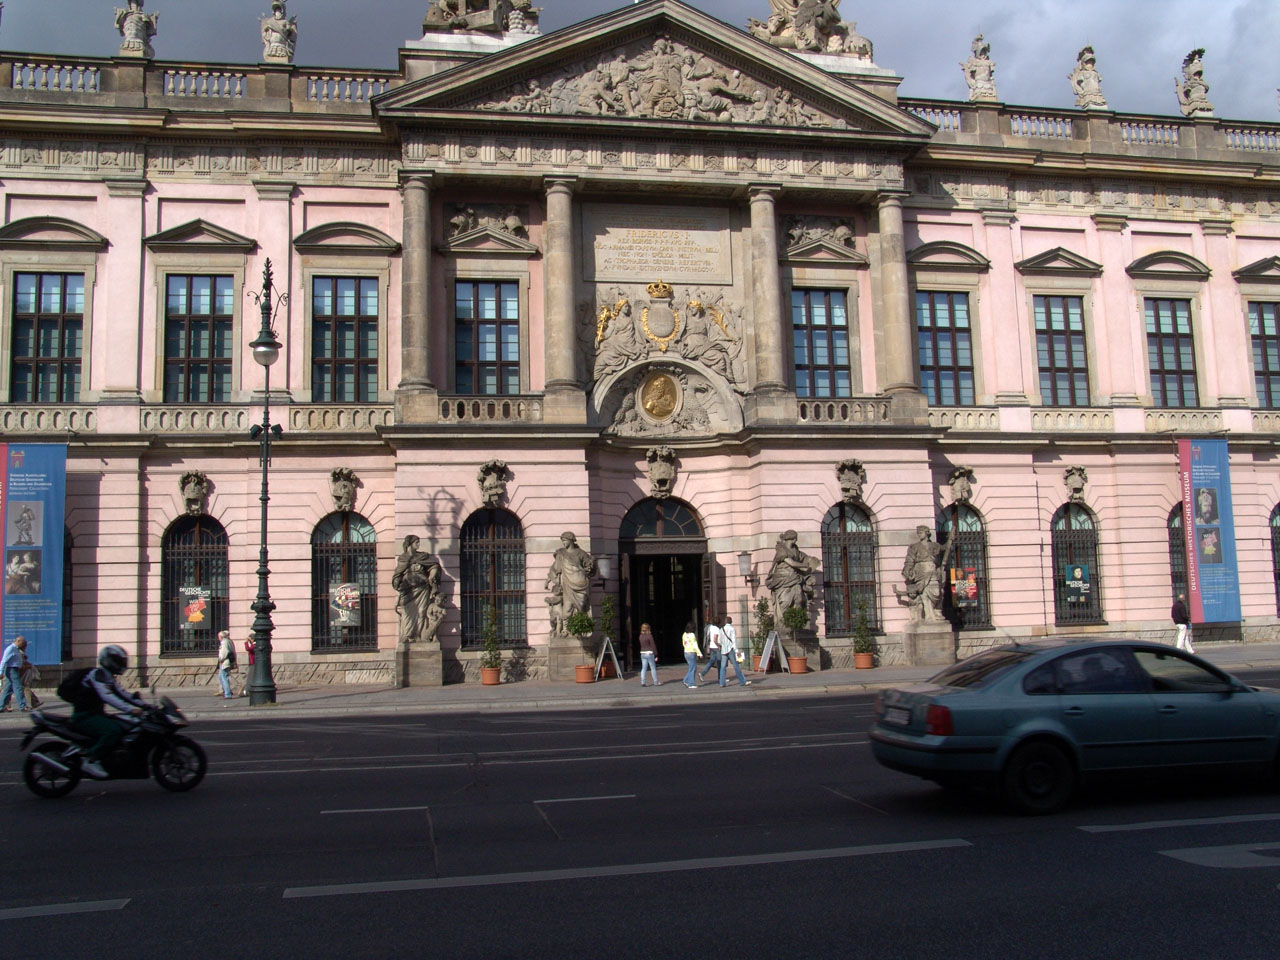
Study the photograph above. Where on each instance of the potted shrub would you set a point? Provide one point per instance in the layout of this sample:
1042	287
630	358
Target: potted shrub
764	624
864	644
582	626
608	626
491	658
796	619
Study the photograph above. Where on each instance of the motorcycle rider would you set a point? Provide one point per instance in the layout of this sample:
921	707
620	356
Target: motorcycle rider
99	688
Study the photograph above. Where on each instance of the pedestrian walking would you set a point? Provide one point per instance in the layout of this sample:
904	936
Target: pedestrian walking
250	659
11	669
730	654
29	673
226	662
691	655
714	660
1182	621
648	655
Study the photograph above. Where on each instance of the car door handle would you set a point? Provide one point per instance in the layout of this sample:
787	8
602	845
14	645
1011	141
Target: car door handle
1168	708
1074	711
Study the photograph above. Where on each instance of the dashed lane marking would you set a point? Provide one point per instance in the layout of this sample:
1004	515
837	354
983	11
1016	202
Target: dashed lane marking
1239	856
1165	824
60	909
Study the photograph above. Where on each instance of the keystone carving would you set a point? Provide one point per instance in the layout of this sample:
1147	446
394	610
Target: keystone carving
195	488
961	480
662	471
493	477
853	477
1075	479
342	484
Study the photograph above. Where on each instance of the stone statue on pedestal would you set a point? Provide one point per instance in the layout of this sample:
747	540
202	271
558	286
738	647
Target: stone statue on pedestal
421	603
790	577
922	571
137	29
568	583
278	34
1087	82
1193	92
980	72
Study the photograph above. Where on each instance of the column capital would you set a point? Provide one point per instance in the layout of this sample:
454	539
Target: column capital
763	191
891	198
1216	228
274	189
558	183
129	189
1110	222
418	180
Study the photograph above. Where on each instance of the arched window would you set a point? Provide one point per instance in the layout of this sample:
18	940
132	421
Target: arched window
493	576
1077	581
965	598
344	584
1275	552
849	568
1178	550
659	518
193	560
66	594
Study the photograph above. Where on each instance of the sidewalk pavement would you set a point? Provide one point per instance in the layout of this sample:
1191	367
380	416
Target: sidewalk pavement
206	703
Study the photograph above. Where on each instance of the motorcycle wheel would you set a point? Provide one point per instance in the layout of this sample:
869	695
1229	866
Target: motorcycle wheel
179	765
42	779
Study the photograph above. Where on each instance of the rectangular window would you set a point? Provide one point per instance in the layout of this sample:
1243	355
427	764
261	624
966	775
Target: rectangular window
48	337
344	339
1264	329
198	322
945	342
820	331
1171	353
486	327
1060	351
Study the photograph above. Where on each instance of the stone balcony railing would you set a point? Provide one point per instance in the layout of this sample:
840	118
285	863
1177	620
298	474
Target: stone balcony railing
865	410
984	419
1072	419
1183	421
517	409
73	419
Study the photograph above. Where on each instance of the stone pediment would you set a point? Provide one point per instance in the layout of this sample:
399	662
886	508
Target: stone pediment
200	236
1168	265
1266	270
490	242
345	237
947	255
1059	262
825	251
660	62
50	233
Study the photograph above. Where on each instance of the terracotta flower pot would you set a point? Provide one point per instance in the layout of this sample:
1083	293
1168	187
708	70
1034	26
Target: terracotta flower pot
864	661
585	673
490	676
798	664
755	663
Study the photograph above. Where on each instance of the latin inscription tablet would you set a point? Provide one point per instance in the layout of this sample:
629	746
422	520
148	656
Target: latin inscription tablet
638	242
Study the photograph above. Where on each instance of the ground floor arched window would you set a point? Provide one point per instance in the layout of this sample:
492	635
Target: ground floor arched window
1077	580
966	599
344	583
1178	551
493	576
193	607
849	568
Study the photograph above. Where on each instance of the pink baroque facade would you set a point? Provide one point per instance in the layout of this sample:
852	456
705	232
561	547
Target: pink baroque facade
690	289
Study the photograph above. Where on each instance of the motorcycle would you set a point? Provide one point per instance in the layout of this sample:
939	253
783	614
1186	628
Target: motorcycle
151	748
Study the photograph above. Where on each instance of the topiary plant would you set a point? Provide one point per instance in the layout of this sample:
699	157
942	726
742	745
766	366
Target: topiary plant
492	656
795	619
863	641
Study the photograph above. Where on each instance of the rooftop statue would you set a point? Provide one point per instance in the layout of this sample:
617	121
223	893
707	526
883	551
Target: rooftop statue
1087	82
137	28
487	16
1193	92
980	71
812	25
278	34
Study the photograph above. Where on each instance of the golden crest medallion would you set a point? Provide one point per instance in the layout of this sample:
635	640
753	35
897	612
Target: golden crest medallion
660	397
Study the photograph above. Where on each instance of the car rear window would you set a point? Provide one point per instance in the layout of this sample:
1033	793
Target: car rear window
981	668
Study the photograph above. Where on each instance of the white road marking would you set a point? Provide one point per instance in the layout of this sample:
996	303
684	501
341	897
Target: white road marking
621	870
1163	824
60	909
378	810
615	796
1235	857
844	796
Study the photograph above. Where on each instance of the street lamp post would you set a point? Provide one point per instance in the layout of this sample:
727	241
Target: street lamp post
266	349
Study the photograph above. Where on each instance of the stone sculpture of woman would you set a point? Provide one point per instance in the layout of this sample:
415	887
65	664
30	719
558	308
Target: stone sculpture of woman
568	583
417	581
279	35
791	577
921	571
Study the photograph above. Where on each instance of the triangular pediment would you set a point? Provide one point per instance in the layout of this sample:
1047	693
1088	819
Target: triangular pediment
947	255
50	233
1059	262
1168	265
824	251
490	242
1266	270
200	236
652	64
345	237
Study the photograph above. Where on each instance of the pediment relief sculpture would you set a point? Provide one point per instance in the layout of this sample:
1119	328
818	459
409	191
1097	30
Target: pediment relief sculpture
812	25
661	79
667	399
634	324
468	218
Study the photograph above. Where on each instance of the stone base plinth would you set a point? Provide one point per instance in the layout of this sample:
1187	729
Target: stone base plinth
419	665
417	406
563	654
929	644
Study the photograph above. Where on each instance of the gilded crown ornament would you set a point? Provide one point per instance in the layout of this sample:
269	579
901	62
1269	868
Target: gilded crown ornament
661	290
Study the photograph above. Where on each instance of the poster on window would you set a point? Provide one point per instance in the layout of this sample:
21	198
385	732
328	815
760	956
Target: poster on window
1213	583
33	489
1079	586
344	604
195	606
964	586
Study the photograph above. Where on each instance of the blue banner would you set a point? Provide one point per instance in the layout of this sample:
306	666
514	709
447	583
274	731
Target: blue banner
33	493
1213	583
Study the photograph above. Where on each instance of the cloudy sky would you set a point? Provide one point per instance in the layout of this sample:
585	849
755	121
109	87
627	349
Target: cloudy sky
1139	43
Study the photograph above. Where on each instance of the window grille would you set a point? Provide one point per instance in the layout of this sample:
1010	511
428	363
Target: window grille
849	568
968	551
343	551
1075	546
1178	551
493	575
194	586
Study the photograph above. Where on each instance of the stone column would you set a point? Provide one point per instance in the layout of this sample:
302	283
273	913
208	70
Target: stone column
415	394
895	294
565	398
770	355
120	396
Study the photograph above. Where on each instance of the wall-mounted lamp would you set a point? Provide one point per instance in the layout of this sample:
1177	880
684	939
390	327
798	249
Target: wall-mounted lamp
604	567
744	568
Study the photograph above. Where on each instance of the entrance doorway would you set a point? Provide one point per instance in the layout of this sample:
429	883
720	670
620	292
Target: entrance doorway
664	575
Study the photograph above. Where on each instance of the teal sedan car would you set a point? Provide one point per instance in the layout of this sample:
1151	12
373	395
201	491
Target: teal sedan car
1035	719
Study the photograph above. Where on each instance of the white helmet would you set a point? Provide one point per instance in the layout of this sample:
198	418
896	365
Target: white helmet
113	658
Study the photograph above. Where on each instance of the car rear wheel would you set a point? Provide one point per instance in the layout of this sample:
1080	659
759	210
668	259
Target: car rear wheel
1038	778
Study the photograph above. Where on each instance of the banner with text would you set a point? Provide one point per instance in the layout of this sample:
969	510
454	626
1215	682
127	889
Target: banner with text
1208	527
33	493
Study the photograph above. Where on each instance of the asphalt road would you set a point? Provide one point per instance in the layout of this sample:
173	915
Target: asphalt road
715	830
